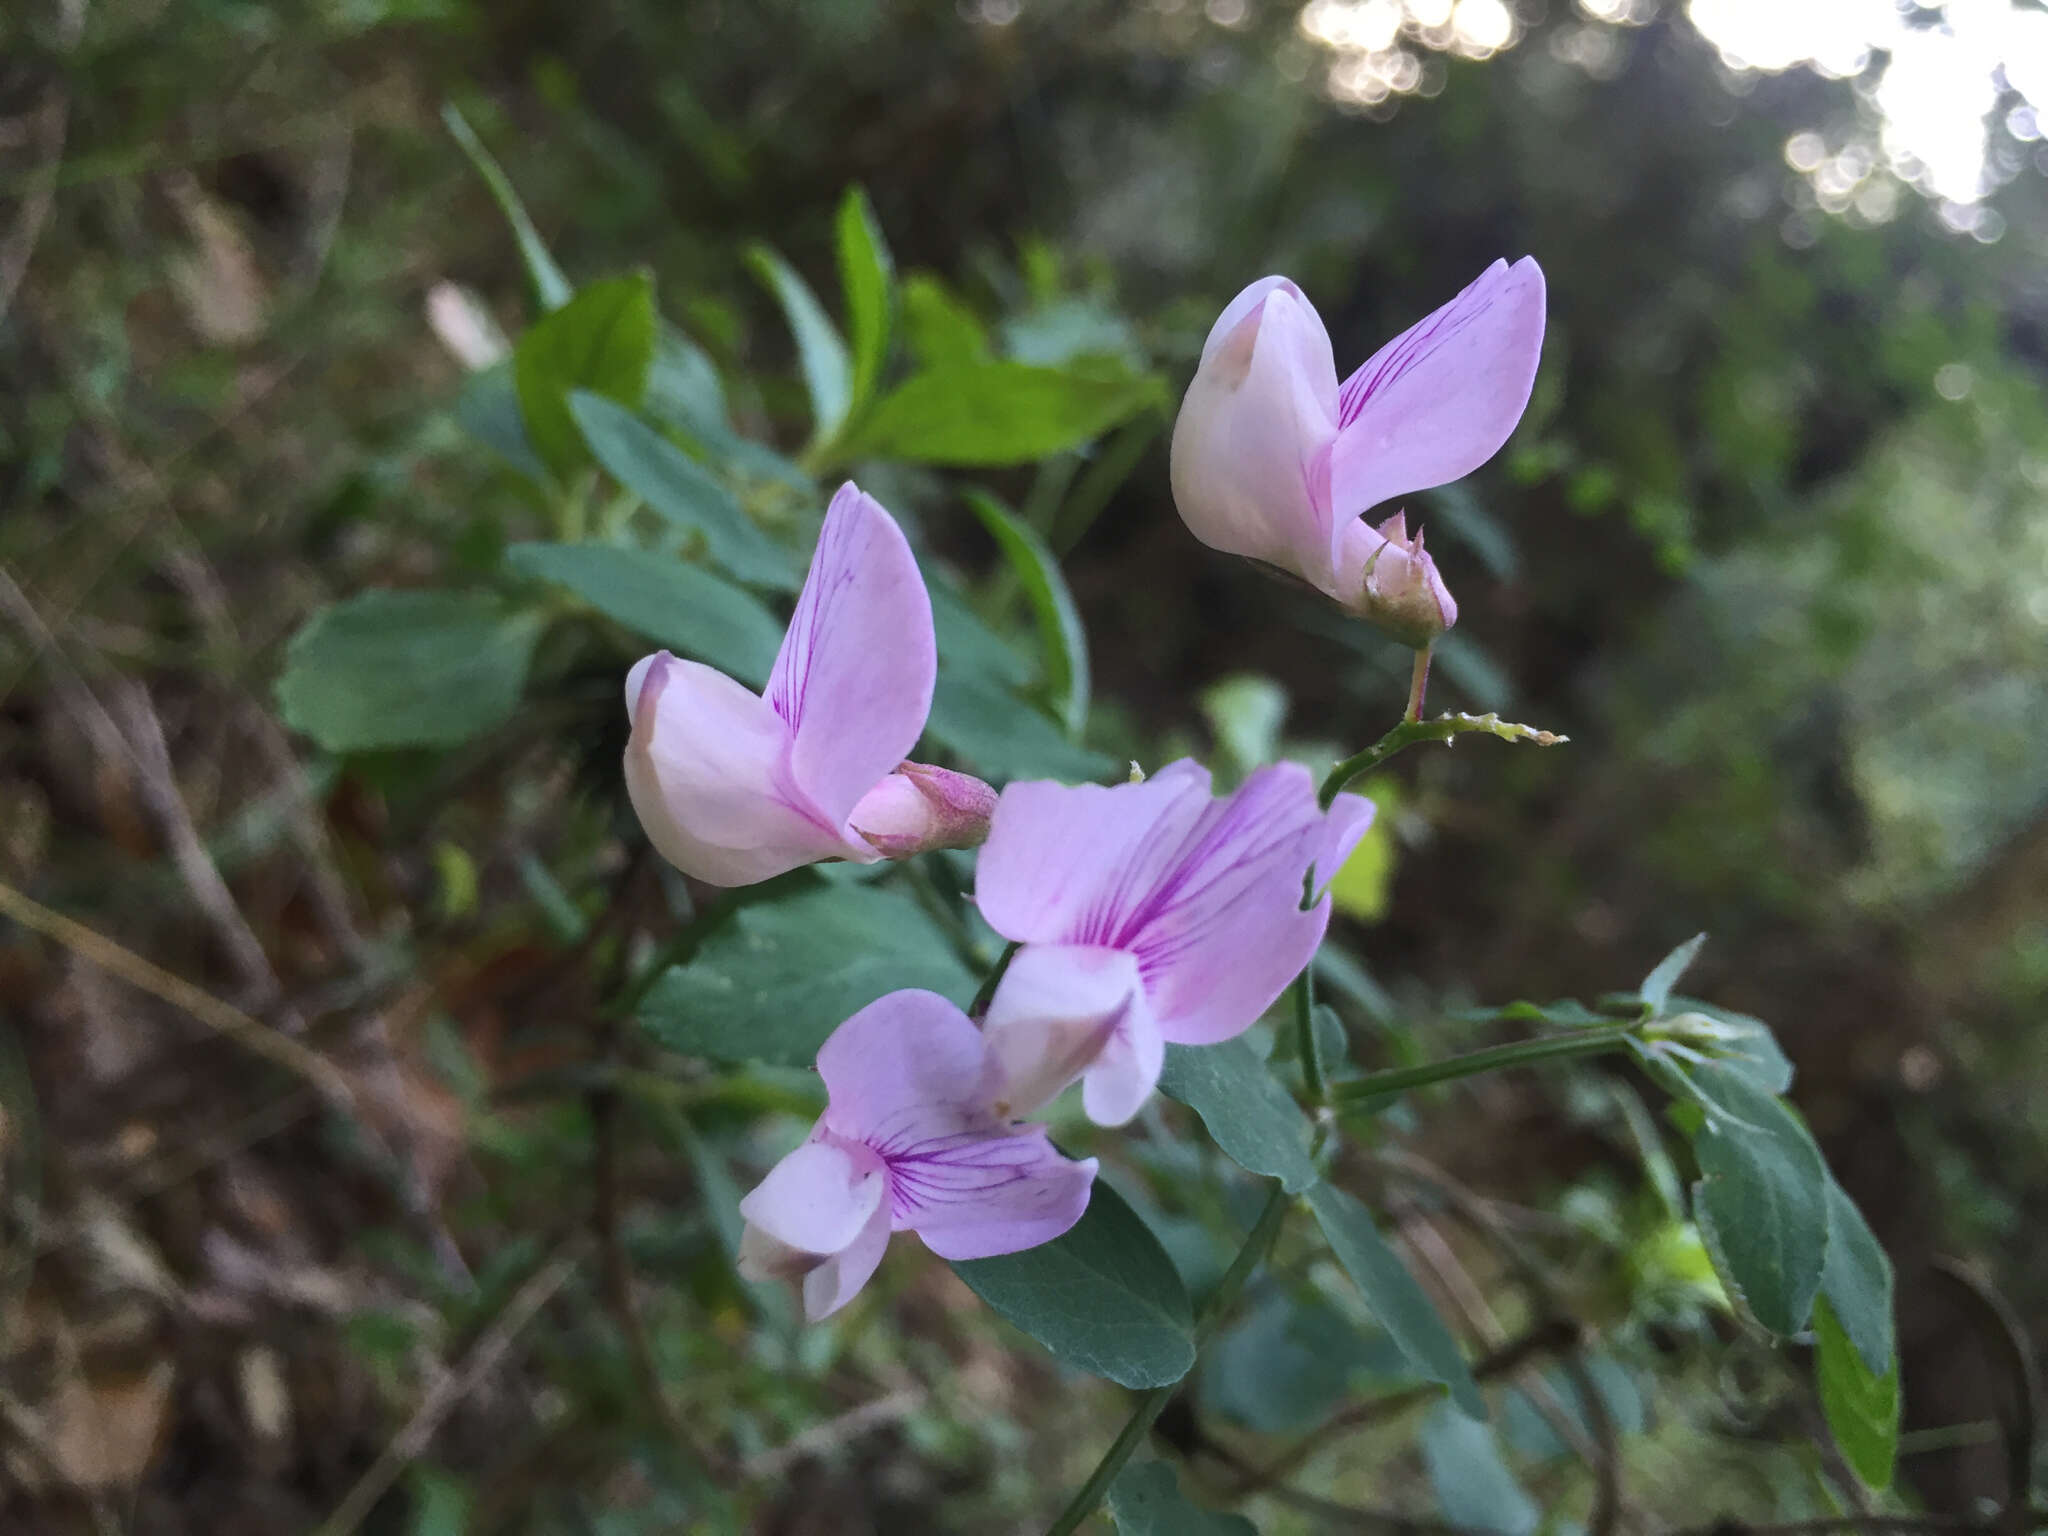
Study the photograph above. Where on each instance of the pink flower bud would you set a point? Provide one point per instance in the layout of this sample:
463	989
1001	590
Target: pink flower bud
918	808
1399	588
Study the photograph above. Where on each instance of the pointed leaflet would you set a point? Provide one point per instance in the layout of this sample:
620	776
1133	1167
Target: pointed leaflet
602	340
1393	1295
820	353
1762	1199
1474	1488
1059	621
1248	1113
1656	987
997	413
549	285
668	601
1862	1406
867	274
680	491
1857	1281
1103	1298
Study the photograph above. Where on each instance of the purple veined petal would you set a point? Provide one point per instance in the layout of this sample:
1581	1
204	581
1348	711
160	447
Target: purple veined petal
1249	459
999	1194
835	1282
1064	862
819	1197
908	1069
1126	1071
1441	398
1221	934
707	772
1056	1010
854	675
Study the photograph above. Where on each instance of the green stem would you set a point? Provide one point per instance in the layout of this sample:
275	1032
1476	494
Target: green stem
1418	681
1310	1048
1410	732
983	997
1589	1042
1257	1244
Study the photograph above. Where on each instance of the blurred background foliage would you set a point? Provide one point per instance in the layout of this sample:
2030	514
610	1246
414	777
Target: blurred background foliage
1769	547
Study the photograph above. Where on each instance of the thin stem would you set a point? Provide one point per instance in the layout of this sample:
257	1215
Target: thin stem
1418	683
1589	1042
1310	1048
987	991
1257	1244
1409	732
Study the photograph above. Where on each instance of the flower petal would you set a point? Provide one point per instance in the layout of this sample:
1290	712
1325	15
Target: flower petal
907	1069
1057	1008
819	1197
1249	453
1221	933
1064	862
707	772
855	672
834	1283
1002	1194
1125	1073
1438	400
1349	819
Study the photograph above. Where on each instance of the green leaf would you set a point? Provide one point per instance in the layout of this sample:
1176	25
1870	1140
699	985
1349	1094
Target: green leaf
1287	1365
1003	737
549	285
1762	1199
1656	987
820	354
867	274
406	669
1145	1500
784	974
1103	1297
602	341
1527	1432
1393	1296
967	646
1862	1406
683	386
1059	621
681	606
941	329
1857	1281
1248	1113
681	492
1567	1014
998	413
1474	1488
1741	1043
488	410
1244	712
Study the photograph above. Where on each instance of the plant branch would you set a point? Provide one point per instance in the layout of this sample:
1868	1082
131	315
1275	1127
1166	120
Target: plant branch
1310	1048
1587	1042
1443	728
1257	1244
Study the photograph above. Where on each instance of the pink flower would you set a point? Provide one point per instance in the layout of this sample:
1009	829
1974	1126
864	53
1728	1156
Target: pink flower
1148	913
1272	459
735	787
908	1142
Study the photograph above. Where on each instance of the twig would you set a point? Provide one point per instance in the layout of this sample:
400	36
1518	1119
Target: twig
2020	1433
447	1393
822	1439
222	1018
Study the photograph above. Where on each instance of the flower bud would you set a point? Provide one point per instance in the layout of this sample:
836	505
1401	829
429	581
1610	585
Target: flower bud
919	807
1401	591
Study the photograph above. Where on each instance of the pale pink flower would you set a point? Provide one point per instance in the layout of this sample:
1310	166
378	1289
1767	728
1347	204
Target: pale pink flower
909	1141
734	787
1274	460
1149	914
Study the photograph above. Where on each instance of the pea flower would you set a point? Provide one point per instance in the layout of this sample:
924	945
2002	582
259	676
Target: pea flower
909	1141
735	787
1274	460
1148	913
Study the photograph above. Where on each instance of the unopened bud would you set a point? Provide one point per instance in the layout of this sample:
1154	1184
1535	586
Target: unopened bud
1402	592
918	808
